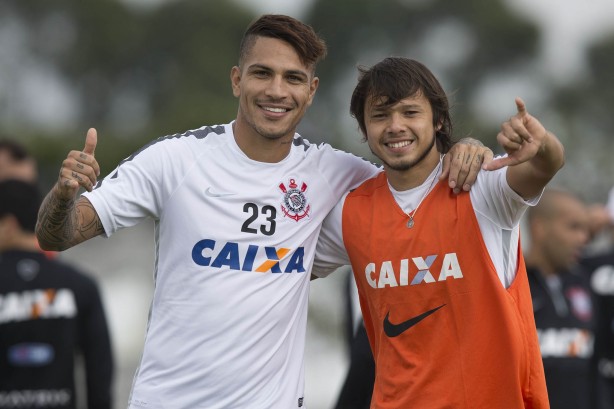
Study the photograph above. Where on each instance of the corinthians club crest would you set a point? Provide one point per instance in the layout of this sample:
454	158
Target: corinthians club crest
294	203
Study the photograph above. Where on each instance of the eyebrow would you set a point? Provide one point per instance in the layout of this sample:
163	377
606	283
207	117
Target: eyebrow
288	72
384	106
259	67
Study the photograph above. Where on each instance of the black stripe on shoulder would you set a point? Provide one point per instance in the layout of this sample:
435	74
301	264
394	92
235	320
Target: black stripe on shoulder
299	141
200	133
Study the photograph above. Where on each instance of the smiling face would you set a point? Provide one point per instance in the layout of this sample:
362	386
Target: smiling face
274	89
402	135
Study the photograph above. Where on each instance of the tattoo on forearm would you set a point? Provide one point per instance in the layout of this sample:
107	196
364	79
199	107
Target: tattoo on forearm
63	223
88	226
55	221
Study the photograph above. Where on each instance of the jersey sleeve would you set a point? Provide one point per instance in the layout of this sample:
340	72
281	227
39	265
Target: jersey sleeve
493	198
344	171
140	185
330	250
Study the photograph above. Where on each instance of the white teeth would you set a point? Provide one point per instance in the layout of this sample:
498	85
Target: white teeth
279	110
399	144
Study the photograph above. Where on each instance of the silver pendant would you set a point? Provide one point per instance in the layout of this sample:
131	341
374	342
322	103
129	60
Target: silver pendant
410	223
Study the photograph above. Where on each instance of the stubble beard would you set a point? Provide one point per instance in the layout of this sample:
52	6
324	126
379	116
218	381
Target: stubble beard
268	134
404	166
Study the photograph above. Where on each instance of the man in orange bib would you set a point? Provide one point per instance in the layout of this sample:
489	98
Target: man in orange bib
441	278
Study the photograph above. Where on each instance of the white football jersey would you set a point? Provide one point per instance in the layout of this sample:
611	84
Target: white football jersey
235	242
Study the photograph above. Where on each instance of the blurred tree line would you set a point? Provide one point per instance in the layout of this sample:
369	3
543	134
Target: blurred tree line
137	73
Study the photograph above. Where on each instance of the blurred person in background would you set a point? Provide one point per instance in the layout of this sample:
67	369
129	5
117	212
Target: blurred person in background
601	268
52	319
16	162
237	210
50	315
357	387
564	314
441	278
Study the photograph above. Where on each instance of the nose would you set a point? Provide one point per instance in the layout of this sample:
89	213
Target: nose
395	124
276	88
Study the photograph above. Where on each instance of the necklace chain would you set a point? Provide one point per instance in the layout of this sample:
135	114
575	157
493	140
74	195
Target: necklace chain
412	214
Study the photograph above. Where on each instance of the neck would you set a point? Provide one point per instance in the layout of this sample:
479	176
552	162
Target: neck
258	147
533	259
20	241
416	175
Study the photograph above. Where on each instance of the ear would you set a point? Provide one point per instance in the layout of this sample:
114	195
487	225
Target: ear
313	87
235	80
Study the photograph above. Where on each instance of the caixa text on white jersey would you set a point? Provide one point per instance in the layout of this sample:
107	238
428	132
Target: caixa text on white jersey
248	257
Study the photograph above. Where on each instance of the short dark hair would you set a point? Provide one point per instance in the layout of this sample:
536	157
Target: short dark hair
16	162
22	200
307	44
16	151
396	78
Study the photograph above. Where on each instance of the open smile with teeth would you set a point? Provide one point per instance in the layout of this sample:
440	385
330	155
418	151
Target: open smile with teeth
276	110
399	144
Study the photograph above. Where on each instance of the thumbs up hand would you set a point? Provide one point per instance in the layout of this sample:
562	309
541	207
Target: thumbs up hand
79	169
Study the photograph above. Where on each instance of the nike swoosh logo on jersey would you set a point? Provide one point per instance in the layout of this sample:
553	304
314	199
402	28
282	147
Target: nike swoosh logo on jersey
212	193
394	330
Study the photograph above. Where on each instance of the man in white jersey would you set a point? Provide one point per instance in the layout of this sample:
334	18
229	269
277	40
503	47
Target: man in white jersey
441	280
237	209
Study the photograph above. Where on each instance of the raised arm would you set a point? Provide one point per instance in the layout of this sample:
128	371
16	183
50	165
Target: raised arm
534	154
63	220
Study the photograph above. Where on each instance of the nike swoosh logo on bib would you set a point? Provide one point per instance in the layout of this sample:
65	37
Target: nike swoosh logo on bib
394	330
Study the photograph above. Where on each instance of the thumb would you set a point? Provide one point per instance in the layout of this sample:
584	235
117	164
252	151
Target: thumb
91	139
520	106
499	163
